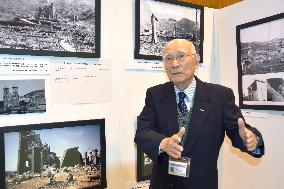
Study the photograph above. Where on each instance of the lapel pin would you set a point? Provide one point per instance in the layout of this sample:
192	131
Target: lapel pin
201	110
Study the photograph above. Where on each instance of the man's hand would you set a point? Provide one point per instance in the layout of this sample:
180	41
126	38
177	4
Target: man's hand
247	136
171	145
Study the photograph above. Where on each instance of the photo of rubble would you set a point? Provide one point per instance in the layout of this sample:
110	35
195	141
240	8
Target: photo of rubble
54	158
260	48
262	57
275	89
22	96
50	27
265	89
161	22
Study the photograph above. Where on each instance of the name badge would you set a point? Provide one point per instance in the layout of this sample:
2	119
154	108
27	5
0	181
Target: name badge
179	167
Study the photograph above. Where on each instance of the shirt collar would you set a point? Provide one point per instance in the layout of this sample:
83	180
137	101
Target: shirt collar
189	91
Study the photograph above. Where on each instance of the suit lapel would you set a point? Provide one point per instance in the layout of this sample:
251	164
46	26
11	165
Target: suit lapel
200	111
168	109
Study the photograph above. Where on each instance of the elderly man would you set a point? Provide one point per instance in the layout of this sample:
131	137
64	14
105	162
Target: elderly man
184	121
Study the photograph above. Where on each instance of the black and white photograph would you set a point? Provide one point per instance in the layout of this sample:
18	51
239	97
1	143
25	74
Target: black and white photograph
158	22
144	166
260	46
50	27
54	155
22	96
263	89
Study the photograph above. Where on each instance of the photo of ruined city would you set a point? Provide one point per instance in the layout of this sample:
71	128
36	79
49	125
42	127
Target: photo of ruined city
55	155
158	22
260	47
22	96
50	27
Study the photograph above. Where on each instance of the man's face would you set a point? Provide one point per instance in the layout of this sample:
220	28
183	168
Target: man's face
179	62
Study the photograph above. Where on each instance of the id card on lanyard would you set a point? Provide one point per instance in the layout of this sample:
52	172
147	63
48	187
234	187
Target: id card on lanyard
181	166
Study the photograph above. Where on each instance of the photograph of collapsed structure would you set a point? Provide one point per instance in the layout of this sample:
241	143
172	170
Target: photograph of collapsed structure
50	27
264	89
260	46
157	22
22	96
54	155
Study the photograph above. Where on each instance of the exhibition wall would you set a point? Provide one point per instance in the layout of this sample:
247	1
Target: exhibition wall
238	170
128	89
129	86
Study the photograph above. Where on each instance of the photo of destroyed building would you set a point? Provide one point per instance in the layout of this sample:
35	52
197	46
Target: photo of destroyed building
267	89
275	89
260	48
53	27
54	158
22	96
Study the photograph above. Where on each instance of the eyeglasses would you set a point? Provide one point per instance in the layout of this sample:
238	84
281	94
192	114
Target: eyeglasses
181	56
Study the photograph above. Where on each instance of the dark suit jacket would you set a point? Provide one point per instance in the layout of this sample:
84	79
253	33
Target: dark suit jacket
214	114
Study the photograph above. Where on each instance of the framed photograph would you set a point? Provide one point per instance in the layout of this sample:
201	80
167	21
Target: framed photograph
158	22
144	166
22	96
53	155
50	28
260	46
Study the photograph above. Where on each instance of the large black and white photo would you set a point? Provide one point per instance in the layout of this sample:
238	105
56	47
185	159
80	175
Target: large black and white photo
22	96
261	63
158	22
50	27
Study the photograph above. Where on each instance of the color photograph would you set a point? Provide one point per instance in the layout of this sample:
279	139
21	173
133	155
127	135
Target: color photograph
58	155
